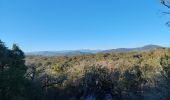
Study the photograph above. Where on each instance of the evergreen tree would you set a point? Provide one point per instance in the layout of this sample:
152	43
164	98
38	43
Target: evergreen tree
12	71
3	63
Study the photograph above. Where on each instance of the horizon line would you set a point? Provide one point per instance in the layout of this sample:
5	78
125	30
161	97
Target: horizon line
69	50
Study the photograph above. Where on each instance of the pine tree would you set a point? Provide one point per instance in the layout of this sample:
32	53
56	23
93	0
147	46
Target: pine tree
3	63
12	73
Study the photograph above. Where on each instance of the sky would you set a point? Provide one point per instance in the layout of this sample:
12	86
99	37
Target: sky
54	25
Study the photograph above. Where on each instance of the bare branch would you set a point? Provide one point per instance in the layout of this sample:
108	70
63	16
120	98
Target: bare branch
165	3
168	23
166	12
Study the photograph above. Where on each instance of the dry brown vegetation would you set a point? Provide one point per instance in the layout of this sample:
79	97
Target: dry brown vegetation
134	75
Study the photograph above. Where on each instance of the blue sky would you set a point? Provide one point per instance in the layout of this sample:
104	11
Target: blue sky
40	25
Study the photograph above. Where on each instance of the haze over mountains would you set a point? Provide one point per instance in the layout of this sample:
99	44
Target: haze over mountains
87	51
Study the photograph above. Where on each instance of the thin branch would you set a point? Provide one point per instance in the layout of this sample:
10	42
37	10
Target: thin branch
168	24
165	3
166	12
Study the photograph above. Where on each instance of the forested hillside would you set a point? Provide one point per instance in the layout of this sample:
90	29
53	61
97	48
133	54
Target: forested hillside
97	73
104	76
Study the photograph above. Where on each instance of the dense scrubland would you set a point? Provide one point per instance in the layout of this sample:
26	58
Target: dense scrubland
104	76
120	76
140	75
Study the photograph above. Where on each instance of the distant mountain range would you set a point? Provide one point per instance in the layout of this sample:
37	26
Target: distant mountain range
63	53
144	48
86	51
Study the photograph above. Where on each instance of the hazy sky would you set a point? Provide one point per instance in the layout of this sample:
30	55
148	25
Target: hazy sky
38	25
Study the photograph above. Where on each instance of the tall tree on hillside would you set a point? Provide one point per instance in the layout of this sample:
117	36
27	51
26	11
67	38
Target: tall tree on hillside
18	58
12	71
16	71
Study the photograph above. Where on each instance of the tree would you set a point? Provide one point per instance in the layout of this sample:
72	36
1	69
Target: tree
18	58
16	71
3	60
12	73
166	3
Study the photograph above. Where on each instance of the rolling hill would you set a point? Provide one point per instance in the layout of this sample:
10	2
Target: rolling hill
86	51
